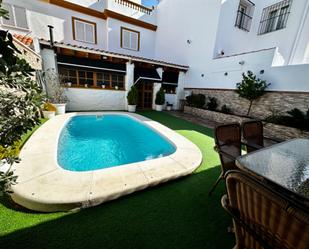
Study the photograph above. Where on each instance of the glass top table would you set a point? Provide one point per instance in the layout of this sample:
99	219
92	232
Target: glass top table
285	164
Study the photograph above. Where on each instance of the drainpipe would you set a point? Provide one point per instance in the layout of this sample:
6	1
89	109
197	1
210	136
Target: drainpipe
51	35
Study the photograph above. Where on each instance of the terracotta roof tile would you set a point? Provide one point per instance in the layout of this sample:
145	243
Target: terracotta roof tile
24	39
185	67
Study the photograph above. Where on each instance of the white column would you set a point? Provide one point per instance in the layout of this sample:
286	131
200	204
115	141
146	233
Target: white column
129	79
50	67
180	89
156	88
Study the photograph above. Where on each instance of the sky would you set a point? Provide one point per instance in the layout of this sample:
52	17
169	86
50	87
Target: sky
149	2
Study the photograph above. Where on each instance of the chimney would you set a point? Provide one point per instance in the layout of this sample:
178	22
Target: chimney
51	35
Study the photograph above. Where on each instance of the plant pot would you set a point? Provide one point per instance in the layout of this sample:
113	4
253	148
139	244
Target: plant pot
116	87
86	85
60	108
168	108
131	108
159	108
103	86
69	84
49	114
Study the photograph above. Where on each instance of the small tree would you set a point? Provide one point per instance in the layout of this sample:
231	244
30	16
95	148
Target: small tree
132	96
20	102
160	97
251	88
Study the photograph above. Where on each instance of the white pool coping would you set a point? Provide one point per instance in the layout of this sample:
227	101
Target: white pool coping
44	186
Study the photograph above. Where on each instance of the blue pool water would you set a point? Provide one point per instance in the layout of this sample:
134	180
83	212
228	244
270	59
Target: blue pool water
90	143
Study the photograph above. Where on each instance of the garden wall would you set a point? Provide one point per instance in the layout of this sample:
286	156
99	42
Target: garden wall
270	130
263	107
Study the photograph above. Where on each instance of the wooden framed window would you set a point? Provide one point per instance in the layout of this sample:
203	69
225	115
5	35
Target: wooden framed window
130	39
81	77
17	16
84	31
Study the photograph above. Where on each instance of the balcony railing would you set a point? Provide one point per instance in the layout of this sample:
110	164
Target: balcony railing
243	21
135	6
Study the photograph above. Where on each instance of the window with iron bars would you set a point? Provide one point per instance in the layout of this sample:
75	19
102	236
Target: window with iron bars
275	17
243	19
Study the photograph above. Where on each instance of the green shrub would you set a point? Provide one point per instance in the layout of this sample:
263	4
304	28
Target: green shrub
132	96
212	104
21	99
295	118
226	109
196	100
160	97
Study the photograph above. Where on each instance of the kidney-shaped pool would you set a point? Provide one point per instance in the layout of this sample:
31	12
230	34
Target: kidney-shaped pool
92	142
78	160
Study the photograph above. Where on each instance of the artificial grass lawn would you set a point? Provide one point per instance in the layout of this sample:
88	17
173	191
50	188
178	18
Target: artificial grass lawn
178	214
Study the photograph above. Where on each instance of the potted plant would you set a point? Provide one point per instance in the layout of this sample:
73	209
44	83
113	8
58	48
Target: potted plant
169	106
49	110
132	98
160	100
56	93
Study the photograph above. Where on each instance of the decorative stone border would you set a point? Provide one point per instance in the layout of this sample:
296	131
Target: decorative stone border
270	130
44	186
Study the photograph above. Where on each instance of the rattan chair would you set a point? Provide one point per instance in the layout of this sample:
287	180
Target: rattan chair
228	145
252	132
264	218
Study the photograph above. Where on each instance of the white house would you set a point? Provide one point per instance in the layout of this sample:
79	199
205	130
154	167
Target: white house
103	47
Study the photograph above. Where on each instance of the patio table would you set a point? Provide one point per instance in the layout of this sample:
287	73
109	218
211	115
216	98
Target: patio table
285	164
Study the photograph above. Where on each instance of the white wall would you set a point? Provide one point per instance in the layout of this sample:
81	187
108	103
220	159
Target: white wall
234	40
95	100
147	39
209	25
41	14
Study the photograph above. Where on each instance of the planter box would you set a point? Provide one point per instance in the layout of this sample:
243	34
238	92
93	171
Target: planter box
270	130
217	117
283	132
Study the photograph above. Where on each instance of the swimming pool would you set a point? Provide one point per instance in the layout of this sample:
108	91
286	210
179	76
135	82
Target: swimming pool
47	184
93	142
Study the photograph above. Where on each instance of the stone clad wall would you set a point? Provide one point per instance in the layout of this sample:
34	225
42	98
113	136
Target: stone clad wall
29	55
280	102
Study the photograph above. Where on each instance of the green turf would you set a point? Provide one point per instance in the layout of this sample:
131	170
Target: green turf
178	214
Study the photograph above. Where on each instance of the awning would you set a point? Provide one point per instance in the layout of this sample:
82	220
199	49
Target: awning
149	74
92	64
170	77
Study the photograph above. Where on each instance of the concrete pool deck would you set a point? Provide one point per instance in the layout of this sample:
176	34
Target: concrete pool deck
44	186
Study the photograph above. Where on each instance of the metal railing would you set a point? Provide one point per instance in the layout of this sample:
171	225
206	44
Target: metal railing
135	6
243	21
275	17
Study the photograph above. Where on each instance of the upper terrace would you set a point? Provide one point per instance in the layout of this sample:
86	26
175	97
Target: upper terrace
124	7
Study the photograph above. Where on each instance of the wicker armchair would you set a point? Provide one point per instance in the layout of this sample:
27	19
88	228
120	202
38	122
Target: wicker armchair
263	217
228	145
253	135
